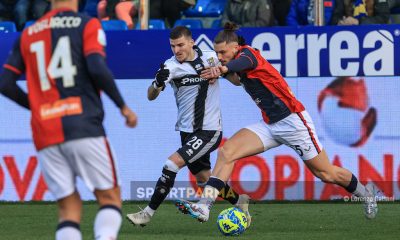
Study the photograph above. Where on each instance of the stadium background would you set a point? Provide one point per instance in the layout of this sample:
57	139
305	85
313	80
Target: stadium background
370	53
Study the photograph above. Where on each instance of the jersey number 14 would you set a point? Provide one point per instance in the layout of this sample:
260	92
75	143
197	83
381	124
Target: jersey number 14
60	65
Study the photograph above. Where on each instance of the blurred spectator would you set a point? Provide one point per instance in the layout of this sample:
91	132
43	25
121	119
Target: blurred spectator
39	8
169	10
249	13
89	7
15	10
281	10
357	12
302	12
118	9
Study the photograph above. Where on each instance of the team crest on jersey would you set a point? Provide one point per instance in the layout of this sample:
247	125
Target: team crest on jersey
211	62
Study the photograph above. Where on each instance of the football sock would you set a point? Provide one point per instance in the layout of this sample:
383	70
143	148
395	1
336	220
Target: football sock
229	194
67	230
107	222
163	187
211	191
150	211
356	187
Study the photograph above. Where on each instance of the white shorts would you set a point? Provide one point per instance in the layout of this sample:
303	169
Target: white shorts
89	158
296	131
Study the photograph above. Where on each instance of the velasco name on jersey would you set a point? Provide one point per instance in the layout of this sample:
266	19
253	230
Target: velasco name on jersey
55	22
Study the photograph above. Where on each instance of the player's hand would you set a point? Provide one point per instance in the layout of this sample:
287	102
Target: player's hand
162	76
130	116
210	73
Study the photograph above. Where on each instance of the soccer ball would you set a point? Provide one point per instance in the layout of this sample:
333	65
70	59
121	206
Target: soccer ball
232	222
346	115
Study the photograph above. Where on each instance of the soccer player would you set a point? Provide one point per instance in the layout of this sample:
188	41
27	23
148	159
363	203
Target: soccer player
63	57
284	121
199	120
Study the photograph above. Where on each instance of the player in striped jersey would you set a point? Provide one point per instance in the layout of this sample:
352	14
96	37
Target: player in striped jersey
63	57
284	121
199	120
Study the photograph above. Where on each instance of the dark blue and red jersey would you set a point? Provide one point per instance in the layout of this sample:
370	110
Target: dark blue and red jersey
64	96
265	85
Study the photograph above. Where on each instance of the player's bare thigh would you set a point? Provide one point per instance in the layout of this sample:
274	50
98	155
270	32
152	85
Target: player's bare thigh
244	143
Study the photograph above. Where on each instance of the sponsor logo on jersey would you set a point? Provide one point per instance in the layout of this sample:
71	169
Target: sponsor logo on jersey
192	80
60	108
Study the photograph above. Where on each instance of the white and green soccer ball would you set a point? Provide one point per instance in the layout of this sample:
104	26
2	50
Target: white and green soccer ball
232	222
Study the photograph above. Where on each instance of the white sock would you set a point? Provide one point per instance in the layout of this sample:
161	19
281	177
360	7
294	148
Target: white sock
360	191
209	195
150	211
107	223
68	230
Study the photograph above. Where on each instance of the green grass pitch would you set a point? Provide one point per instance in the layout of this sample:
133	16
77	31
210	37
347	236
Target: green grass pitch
271	220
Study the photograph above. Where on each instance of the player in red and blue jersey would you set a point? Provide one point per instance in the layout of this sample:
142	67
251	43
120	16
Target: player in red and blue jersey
63	57
284	121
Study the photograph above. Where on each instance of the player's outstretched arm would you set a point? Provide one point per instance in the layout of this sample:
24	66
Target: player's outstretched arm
212	73
10	89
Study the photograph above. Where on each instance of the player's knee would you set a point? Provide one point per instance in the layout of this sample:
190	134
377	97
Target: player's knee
171	166
225	153
109	197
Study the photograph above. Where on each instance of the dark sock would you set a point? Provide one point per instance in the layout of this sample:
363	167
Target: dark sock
216	183
163	187
352	185
229	194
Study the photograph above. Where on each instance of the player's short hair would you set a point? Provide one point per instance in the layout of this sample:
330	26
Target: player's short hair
180	31
228	35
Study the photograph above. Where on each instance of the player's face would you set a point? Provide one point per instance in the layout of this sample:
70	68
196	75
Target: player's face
182	48
226	51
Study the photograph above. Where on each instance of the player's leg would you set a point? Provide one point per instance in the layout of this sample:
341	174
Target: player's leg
69	212
94	161
166	181
108	218
163	186
227	193
304	141
60	179
321	167
248	141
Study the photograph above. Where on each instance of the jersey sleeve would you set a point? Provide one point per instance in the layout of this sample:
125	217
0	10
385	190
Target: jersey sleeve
15	61
94	38
246	60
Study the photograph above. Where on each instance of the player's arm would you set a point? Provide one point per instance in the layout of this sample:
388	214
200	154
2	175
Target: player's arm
93	47
158	84
13	68
245	61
